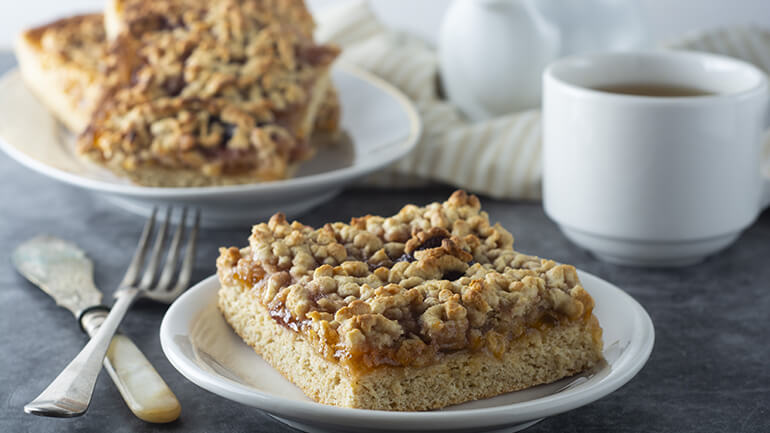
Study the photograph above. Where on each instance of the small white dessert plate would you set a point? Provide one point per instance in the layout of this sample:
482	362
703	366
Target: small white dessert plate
202	346
379	126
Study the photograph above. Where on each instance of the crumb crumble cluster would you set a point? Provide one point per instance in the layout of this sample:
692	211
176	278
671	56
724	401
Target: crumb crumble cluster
218	87
406	289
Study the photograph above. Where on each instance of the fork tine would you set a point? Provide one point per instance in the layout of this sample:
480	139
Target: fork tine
173	253
141	248
189	259
157	248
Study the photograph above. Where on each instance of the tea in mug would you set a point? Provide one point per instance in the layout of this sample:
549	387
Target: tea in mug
654	89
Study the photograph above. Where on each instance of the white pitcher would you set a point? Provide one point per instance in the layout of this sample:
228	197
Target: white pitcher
492	52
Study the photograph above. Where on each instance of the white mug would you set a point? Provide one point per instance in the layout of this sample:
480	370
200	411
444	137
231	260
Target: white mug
653	180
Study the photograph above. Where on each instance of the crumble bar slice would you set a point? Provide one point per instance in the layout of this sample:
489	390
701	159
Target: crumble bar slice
243	57
427	308
255	53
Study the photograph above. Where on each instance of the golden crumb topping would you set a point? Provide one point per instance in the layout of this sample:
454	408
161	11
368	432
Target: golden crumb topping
254	60
406	289
139	16
74	41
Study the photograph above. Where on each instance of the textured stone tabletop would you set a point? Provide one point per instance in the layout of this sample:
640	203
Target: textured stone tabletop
709	370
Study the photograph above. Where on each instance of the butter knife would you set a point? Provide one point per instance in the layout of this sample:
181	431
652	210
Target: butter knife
63	270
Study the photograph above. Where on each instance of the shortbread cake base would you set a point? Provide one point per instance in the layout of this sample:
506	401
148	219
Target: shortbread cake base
68	88
537	357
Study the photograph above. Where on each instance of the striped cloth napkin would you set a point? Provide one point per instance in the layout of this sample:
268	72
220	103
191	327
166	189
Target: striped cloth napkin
500	157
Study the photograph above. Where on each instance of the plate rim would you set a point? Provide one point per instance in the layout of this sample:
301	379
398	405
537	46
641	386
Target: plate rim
406	145
628	365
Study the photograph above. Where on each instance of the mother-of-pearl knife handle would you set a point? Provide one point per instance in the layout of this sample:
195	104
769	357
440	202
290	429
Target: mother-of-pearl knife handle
144	391
63	270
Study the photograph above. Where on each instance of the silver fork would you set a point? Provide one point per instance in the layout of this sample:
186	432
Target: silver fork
70	393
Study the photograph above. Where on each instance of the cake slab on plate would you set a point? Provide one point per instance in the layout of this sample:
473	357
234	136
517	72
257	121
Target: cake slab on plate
427	308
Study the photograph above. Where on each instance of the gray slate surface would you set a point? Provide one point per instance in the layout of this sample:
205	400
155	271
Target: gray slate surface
708	372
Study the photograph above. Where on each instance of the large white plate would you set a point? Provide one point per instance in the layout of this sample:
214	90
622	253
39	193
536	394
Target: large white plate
380	125
201	345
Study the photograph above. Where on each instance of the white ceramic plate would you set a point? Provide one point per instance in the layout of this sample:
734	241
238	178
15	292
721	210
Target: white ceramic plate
379	124
201	345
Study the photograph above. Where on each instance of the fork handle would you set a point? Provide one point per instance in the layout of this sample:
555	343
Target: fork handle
70	393
143	389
